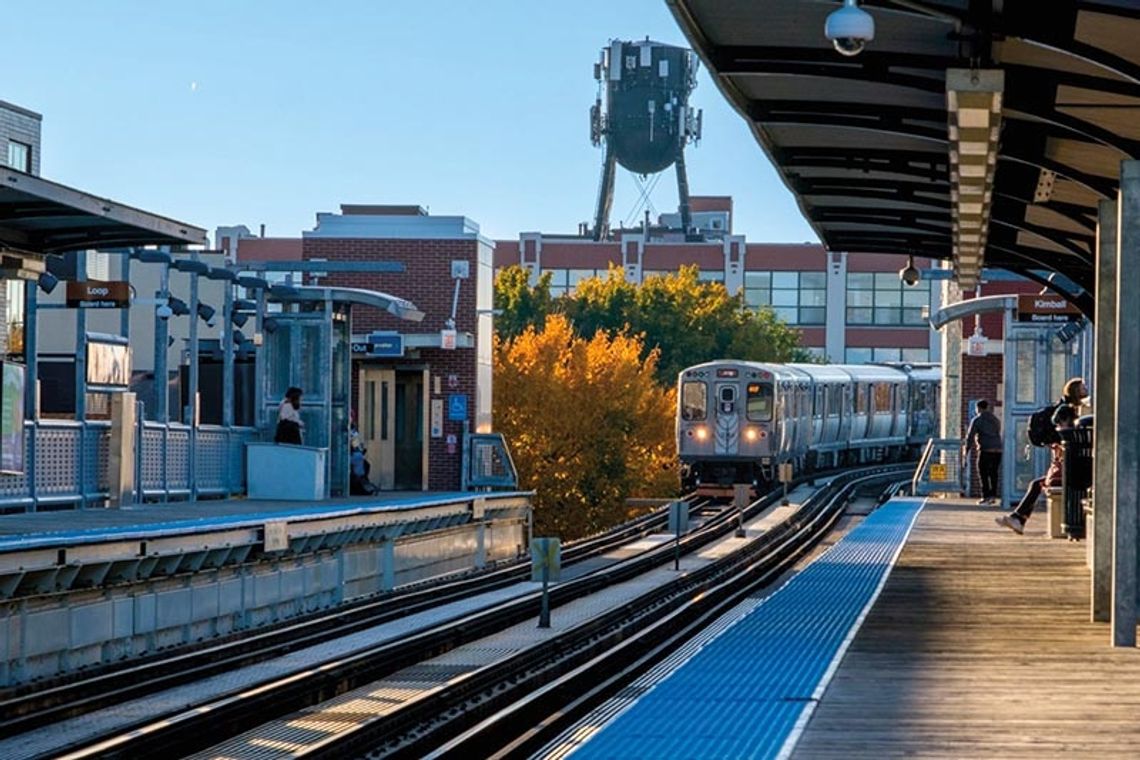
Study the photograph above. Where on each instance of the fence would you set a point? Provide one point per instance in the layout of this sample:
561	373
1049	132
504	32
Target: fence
940	469
66	463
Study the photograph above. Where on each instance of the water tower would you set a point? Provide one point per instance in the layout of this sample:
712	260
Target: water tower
645	120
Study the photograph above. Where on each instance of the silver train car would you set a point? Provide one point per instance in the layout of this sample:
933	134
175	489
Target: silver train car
738	421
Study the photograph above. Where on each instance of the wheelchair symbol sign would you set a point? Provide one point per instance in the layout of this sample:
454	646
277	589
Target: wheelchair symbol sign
457	406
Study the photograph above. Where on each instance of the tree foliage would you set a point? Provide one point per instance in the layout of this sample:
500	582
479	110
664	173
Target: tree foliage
684	319
587	424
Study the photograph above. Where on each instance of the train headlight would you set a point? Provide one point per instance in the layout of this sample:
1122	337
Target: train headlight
702	433
752	435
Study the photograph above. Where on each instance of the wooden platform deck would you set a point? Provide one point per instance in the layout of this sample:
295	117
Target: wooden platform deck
980	646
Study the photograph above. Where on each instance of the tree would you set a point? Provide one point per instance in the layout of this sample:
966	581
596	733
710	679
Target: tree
520	304
588	426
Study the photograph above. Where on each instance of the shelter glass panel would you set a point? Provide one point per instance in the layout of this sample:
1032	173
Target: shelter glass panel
1026	371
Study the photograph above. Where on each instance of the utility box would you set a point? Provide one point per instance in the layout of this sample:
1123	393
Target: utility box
286	472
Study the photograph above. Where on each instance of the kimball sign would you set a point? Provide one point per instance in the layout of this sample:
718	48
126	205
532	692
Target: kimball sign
1047	308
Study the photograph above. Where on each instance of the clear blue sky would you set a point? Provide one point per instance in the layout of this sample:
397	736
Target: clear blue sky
242	112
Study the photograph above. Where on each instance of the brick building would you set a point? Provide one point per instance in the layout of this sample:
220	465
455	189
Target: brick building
849	307
414	406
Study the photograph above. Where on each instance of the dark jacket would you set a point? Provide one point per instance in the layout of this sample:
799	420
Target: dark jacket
984	432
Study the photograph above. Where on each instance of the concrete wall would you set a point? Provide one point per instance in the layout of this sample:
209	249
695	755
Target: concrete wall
42	637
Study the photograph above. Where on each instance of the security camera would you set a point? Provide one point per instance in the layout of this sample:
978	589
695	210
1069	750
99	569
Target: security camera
850	28
164	312
910	275
211	322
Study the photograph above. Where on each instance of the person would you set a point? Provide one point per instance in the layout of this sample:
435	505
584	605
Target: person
984	434
289	423
1063	419
1074	393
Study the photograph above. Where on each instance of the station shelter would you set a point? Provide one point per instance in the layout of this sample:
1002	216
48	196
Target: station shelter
419	390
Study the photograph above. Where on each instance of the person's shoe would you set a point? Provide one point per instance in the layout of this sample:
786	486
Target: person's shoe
1011	522
983	502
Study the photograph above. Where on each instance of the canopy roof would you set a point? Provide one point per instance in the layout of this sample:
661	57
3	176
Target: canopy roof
863	142
39	217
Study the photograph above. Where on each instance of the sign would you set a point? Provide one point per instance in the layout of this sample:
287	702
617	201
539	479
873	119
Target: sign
546	553
437	418
453	381
276	536
1047	308
457	406
938	473
452	443
386	344
447	339
977	345
108	363
94	294
12	417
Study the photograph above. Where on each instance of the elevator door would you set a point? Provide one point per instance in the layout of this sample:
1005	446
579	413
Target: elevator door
376	423
409	431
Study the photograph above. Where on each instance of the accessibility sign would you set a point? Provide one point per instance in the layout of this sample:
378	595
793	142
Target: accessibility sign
457	406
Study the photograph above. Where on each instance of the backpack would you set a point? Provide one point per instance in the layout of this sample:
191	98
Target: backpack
1041	430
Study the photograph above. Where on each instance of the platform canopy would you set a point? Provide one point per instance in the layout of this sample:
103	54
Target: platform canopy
399	307
38	217
869	145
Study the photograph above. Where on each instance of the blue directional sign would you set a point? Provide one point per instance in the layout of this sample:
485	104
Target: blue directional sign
386	344
457	406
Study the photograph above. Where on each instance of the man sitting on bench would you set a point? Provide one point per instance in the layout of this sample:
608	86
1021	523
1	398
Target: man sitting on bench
1064	419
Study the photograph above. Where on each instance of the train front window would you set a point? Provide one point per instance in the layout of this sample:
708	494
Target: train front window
759	402
694	400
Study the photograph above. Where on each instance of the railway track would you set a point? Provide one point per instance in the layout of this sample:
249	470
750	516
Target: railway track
28	707
421	725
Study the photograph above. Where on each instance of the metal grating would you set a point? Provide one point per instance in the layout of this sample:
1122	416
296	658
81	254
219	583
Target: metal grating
746	693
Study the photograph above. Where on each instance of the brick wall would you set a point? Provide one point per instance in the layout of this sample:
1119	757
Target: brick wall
427	283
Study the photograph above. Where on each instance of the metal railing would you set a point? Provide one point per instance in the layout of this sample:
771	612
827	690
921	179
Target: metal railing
68	463
487	462
940	468
163	464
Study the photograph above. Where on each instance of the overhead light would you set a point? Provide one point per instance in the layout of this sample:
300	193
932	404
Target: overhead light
47	282
973	105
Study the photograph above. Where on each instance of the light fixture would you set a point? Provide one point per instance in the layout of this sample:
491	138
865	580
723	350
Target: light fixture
206	312
973	106
47	282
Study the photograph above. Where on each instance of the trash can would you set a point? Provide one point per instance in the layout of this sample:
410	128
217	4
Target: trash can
1076	478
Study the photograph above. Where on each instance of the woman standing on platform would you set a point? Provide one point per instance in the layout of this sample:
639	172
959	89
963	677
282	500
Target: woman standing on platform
289	423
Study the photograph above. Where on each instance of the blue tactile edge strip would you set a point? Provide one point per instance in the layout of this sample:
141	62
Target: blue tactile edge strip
749	693
144	530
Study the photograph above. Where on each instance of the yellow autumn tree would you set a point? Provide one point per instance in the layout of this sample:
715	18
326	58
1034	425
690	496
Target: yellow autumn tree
587	425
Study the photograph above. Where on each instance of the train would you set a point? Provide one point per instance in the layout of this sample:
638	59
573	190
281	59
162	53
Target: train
738	421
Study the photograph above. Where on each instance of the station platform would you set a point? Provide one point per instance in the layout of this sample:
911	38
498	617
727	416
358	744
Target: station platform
52	551
927	631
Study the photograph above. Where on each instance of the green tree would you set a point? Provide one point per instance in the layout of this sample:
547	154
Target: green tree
520	305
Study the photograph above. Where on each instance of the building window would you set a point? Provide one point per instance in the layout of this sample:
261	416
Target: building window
880	298
857	356
888	354
798	298
14	317
916	354
20	156
712	275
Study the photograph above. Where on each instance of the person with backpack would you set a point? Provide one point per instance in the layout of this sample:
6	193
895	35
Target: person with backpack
1064	418
1041	430
985	435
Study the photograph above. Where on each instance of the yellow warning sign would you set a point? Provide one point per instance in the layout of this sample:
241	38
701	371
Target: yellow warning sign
938	472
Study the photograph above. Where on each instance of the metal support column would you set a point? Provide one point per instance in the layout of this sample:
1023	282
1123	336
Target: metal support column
1126	486
227	356
81	382
1104	398
161	352
32	385
192	416
260	340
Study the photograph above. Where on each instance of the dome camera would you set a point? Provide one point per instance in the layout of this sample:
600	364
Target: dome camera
164	312
850	28
909	274
212	322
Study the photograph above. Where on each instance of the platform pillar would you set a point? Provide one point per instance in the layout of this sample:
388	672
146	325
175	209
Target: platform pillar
1126	486
1104	413
951	411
